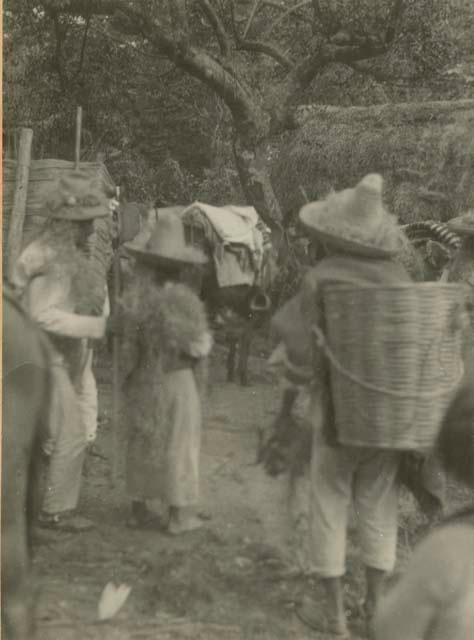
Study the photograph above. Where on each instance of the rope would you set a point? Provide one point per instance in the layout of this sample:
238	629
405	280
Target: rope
323	345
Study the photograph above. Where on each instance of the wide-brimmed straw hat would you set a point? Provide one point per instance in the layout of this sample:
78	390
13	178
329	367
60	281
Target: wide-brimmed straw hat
76	196
463	225
355	220
166	245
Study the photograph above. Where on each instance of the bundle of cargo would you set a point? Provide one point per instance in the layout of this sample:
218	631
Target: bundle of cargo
395	359
43	174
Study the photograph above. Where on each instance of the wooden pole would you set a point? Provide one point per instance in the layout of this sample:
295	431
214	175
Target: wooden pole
116	368
17	218
77	148
304	194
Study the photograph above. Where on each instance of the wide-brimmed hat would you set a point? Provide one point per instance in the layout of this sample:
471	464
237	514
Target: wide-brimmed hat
355	220
463	225
77	196
166	245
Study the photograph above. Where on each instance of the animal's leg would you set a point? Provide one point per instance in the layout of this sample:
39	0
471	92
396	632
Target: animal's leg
23	395
232	344
244	351
17	617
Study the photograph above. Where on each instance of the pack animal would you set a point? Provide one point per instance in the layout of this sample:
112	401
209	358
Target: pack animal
26	387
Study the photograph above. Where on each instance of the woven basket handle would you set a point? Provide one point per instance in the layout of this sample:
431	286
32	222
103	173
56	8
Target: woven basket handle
322	344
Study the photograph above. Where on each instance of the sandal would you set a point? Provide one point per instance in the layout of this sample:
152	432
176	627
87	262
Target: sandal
312	616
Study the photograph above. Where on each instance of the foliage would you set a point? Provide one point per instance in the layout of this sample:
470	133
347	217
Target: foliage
138	109
148	104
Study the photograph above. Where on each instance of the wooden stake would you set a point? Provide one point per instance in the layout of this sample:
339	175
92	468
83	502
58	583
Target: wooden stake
116	371
77	149
17	218
303	193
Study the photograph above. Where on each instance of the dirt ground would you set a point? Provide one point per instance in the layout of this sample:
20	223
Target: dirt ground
239	577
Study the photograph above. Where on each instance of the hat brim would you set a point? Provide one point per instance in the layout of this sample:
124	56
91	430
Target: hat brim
186	257
309	217
459	226
76	214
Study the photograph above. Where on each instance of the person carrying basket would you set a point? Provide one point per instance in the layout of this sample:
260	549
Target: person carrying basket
361	240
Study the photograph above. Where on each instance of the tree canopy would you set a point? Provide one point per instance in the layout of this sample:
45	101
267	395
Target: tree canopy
203	82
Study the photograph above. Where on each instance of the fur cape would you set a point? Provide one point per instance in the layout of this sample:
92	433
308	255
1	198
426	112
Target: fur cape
159	325
172	318
86	267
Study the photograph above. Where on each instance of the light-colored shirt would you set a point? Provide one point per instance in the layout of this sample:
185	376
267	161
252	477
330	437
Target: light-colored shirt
434	599
46	288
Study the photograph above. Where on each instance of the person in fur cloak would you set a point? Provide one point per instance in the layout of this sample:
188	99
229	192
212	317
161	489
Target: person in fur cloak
165	342
361	240
64	293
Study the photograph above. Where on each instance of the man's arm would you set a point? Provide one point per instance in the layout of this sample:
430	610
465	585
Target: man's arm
69	324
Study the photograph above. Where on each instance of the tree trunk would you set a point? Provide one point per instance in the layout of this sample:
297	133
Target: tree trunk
254	175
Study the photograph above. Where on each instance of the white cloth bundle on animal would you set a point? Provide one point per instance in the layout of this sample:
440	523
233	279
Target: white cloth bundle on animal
234	225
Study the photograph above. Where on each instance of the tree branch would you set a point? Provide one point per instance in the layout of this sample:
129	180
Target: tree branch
260	47
267	49
237	96
217	25
302	75
83	45
254	10
59	37
233	90
284	15
326	53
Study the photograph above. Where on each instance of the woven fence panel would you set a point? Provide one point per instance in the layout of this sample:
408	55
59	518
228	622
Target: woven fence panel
43	174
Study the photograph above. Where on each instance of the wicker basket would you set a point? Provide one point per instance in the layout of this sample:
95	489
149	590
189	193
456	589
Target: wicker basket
395	360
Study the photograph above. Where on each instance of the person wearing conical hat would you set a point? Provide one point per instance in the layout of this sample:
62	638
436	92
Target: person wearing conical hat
63	293
165	342
361	240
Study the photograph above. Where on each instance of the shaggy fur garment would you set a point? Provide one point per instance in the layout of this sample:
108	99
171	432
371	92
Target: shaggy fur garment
173	317
71	252
160	325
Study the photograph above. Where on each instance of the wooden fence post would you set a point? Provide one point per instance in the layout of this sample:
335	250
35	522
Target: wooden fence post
17	216
116	439
77	147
